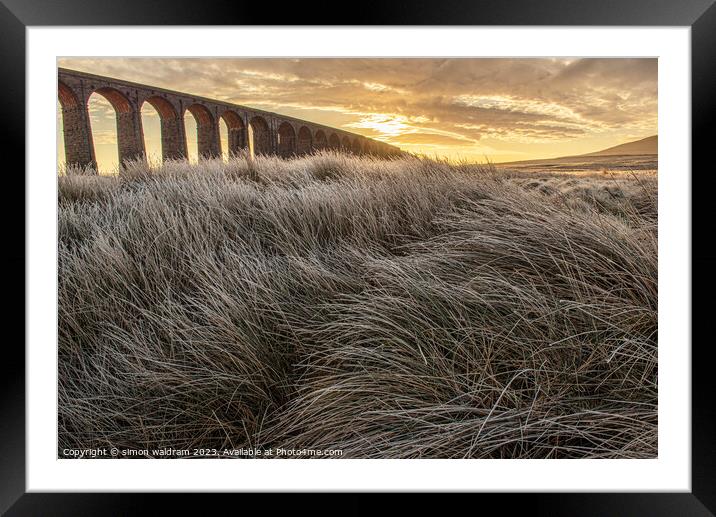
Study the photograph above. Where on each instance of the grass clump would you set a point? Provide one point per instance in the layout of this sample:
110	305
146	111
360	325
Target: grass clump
400	308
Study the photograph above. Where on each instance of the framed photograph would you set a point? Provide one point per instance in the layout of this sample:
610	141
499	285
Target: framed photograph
442	249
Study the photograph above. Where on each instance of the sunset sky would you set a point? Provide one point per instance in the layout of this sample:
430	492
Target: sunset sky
473	109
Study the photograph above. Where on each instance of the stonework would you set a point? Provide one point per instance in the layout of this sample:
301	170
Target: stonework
261	131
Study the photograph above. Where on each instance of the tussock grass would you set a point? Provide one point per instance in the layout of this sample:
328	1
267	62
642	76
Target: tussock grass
389	308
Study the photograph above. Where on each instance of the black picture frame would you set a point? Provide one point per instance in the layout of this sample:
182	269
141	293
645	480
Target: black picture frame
700	15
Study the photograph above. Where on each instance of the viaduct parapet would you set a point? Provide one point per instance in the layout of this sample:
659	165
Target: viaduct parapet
263	132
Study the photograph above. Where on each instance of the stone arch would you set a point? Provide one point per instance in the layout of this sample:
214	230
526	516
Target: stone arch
173	143
304	141
130	141
320	141
236	131
77	135
345	143
67	97
207	131
286	140
163	106
334	142
357	147
260	136
120	103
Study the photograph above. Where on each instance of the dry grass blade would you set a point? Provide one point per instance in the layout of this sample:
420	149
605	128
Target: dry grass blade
401	308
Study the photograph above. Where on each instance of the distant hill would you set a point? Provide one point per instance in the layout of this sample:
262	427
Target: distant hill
632	156
648	145
644	150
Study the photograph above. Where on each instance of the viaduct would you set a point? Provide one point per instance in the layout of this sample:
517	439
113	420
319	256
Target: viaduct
262	132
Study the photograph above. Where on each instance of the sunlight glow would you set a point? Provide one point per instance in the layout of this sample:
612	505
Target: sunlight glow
103	121
192	144
151	126
383	123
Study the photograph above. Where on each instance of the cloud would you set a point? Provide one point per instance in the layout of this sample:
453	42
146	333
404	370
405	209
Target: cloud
430	139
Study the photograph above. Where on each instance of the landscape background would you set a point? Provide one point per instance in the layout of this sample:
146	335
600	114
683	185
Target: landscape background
431	305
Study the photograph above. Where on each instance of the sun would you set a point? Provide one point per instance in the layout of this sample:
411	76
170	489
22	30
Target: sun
386	124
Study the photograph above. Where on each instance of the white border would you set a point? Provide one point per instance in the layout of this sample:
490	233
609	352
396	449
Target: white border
671	471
